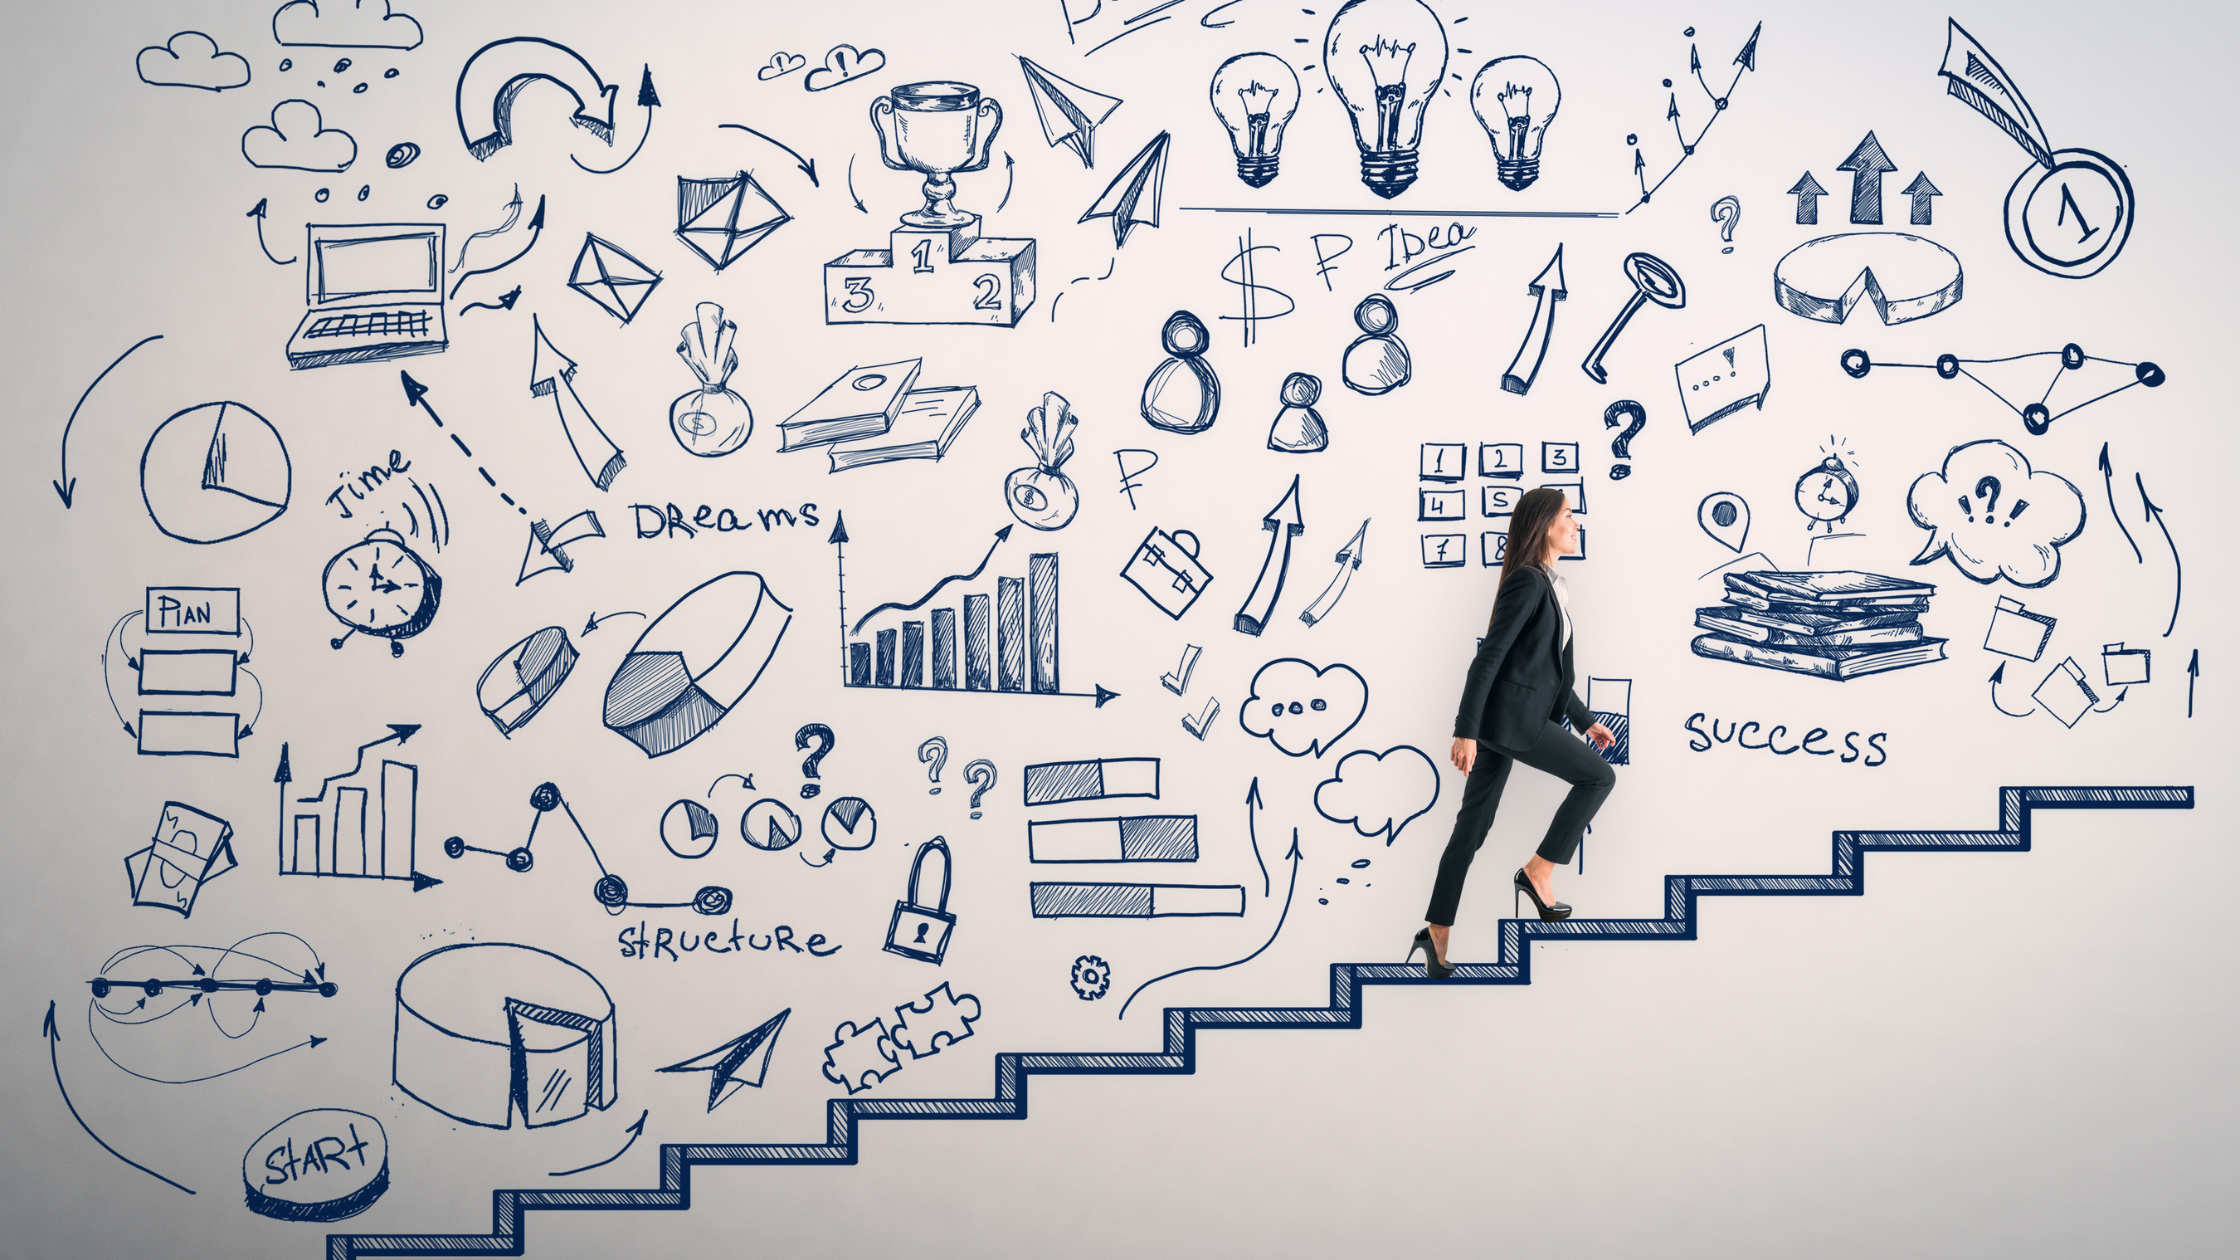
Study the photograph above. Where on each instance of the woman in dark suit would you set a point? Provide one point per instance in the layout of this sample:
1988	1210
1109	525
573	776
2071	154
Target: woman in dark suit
1519	688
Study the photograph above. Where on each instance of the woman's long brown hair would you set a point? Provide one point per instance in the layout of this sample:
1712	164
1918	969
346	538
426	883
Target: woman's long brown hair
1528	534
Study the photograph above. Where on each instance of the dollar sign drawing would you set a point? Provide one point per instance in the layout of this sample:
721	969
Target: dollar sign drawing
1249	289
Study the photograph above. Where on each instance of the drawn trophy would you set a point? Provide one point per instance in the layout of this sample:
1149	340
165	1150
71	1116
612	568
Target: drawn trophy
937	269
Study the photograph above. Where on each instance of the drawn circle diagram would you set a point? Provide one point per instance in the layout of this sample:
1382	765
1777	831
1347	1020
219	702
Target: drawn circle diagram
769	825
2072	219
214	472
689	829
488	1031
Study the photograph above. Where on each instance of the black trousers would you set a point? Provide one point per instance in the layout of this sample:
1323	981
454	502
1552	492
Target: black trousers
1559	753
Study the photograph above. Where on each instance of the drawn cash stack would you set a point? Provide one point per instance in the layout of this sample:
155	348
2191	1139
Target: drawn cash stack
1835	623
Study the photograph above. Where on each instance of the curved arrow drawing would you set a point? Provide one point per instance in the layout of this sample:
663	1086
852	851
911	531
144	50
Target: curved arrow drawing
536	233
2154	513
1349	562
1283	523
1252	807
67	485
594	620
2108	482
807	166
504	303
258	214
1997	676
635	1131
852	185
647	98
500	70
54	1060
1294	855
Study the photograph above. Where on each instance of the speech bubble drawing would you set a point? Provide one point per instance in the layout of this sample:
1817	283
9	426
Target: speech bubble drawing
1302	709
1379	793
1994	517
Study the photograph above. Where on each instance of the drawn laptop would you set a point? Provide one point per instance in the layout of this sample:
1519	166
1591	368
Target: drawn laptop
375	292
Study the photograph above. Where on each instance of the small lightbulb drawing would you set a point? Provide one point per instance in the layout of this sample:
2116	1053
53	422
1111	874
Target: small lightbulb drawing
1515	99
1385	59
1254	96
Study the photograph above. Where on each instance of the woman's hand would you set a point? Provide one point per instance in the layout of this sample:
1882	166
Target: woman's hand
1464	754
1600	736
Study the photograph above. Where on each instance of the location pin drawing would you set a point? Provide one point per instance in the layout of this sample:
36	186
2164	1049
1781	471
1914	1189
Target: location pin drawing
1726	518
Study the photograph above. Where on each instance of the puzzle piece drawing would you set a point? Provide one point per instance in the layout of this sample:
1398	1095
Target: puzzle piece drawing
861	1051
937	1020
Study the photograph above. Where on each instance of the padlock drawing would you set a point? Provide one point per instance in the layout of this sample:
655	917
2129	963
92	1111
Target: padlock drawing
918	930
1166	569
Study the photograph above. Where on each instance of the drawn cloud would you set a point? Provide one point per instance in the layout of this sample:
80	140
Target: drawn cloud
296	142
1301	709
1379	793
344	24
1994	517
843	63
191	59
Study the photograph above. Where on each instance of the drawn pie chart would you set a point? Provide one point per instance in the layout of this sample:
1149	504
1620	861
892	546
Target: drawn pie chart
489	1031
1902	276
214	472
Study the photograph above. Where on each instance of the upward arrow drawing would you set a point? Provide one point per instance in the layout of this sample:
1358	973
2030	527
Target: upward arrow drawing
1548	288
1808	192
1283	523
1867	164
553	375
1921	190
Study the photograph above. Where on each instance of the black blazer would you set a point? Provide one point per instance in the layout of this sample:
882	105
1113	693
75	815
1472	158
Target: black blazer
1522	677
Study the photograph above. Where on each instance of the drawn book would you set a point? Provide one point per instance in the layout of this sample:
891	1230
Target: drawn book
862	403
1719	619
930	419
1838	663
1830	586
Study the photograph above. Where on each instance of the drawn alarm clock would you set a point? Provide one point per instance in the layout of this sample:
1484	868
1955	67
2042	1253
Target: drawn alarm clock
383	588
1827	493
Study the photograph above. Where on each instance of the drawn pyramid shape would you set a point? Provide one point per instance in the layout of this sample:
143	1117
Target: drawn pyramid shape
1906	277
720	219
607	274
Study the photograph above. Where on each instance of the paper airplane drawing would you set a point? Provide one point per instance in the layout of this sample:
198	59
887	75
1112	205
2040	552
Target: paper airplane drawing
1069	112
1133	195
607	274
725	217
728	1061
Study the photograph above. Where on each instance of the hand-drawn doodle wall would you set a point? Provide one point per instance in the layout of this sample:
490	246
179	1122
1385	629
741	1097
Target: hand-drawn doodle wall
611	599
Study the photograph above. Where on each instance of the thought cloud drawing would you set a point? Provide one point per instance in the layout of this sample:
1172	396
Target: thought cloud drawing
344	24
296	142
1379	793
1301	709
192	59
1993	517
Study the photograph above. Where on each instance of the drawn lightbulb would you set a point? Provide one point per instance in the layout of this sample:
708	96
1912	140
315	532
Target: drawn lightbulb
1386	59
1515	99
1254	96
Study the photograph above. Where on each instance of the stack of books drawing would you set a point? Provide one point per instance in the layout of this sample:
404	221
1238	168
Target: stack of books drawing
1836	623
871	415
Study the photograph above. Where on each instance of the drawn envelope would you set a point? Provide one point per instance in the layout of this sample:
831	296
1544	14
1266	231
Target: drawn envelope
190	849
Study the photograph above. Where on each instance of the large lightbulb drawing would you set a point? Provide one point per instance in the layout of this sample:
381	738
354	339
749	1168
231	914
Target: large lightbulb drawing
1515	99
1386	59
1254	96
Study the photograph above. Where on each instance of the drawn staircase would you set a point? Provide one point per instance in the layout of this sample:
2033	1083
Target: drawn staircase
1847	878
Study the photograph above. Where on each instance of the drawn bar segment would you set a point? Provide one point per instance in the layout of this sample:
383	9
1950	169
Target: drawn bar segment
1135	901
1145	838
1055	782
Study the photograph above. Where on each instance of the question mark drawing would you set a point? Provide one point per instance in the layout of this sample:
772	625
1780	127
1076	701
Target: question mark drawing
821	733
1982	484
982	772
936	752
1727	212
1619	444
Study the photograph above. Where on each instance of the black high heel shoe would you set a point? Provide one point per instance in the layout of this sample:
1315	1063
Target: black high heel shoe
1433	969
1550	911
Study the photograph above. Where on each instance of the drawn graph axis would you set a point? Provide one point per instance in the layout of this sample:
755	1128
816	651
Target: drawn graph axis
1181	1025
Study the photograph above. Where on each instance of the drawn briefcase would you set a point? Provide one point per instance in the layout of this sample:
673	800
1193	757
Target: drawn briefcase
1166	569
918	930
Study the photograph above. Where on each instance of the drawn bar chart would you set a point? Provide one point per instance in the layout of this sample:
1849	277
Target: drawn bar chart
366	832
1145	838
1011	646
1136	901
1055	782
